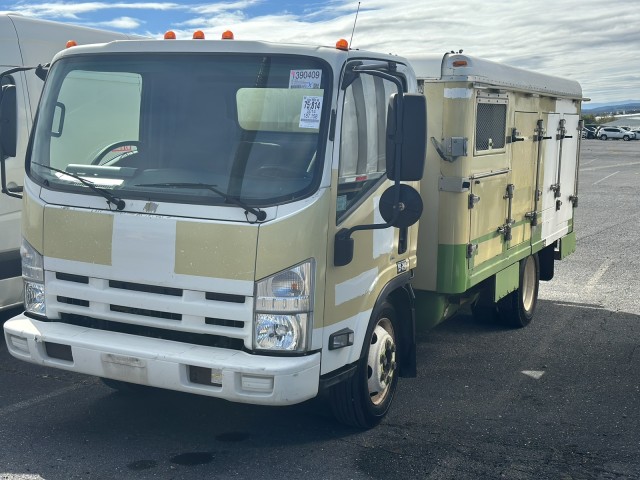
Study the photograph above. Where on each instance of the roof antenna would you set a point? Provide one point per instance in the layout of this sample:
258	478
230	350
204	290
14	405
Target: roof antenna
354	25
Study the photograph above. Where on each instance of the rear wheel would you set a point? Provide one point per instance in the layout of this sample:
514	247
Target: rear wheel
364	399
517	309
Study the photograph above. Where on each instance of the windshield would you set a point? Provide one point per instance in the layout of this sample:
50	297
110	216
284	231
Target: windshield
249	126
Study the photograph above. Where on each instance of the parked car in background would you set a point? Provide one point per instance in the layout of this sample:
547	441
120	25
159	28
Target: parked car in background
637	132
588	132
605	133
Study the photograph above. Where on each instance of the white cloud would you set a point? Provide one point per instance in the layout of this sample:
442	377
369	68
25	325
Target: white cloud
72	10
122	23
569	38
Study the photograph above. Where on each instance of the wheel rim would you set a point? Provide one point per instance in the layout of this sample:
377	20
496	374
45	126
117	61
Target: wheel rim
528	284
381	364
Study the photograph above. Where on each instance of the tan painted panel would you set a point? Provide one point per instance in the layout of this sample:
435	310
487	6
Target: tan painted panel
293	239
212	249
78	235
523	173
32	224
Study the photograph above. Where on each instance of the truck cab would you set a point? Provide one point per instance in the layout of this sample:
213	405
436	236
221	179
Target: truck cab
225	218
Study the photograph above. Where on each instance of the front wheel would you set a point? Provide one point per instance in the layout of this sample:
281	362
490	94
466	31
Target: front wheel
626	138
364	399
603	137
517	309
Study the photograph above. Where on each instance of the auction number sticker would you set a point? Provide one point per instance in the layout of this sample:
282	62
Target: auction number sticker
305	78
310	113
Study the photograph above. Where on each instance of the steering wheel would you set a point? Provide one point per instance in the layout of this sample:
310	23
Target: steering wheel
109	148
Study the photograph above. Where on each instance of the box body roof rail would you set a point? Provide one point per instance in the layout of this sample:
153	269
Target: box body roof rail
465	68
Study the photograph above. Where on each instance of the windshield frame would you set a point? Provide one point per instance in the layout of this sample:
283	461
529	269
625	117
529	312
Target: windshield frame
62	67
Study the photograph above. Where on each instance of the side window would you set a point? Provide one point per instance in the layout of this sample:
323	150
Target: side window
113	111
491	122
363	140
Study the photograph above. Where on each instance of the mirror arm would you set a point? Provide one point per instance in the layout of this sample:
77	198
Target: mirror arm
3	178
39	70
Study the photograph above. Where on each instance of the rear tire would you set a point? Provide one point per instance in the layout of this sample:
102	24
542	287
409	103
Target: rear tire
517	309
364	399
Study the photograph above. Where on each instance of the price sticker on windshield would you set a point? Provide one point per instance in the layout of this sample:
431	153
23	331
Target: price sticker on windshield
310	113
305	78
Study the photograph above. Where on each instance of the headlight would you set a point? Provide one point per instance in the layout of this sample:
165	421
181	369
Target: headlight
32	263
284	307
33	275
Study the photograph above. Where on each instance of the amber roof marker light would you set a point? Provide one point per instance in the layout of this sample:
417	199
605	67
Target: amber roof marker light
198	35
342	44
170	35
72	43
227	35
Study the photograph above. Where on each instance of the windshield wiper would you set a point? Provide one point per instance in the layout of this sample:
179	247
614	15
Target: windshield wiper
260	214
111	198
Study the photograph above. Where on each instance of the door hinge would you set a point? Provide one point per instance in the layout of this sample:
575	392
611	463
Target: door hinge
472	249
574	200
506	230
533	217
473	199
556	190
558	204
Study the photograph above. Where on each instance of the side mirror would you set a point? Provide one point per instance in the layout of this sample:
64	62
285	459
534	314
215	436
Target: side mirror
406	137
401	205
8	121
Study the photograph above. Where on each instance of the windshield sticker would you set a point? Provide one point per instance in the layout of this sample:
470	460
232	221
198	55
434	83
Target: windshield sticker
310	113
305	78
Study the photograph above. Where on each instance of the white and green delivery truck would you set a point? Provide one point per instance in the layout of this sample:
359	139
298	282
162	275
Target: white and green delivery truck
239	219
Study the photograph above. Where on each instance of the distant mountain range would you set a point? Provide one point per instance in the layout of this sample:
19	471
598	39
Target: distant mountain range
599	108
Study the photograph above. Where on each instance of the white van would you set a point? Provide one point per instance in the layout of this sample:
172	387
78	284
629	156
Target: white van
26	42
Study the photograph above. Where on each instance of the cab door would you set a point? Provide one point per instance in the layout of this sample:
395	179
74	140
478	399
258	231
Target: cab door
358	181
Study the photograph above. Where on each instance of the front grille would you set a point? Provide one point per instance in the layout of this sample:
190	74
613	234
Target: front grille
73	301
150	332
224	322
138	287
218	319
67	277
145	312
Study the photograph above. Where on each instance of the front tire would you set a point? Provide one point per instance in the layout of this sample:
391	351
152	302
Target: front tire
364	399
626	138
517	309
603	137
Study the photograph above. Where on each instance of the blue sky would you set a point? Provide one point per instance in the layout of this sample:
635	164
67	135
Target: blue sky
568	38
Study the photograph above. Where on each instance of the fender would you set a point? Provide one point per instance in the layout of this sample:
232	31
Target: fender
400	293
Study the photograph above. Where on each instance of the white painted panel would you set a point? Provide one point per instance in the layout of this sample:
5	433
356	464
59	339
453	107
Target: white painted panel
143	248
355	287
383	238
